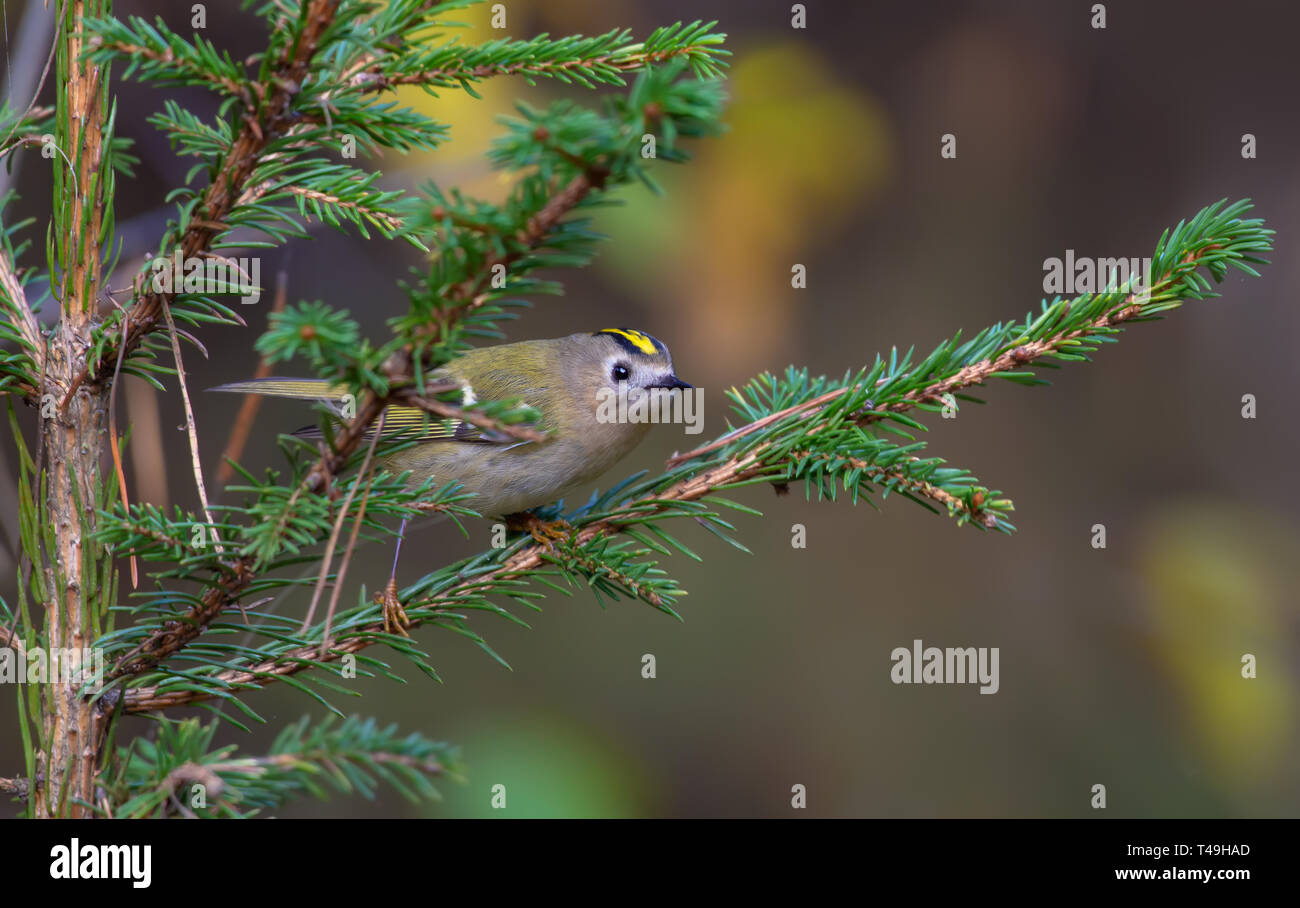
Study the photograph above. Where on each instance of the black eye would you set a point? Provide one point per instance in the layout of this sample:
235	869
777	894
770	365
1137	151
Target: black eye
620	372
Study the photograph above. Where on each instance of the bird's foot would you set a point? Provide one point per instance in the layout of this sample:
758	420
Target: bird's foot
544	532
395	620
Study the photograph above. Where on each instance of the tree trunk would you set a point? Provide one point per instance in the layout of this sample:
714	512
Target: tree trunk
78	571
72	726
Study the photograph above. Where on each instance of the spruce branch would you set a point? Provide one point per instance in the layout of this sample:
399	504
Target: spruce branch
586	61
323	75
274	115
19	324
1066	329
333	207
163	778
160	55
797	428
896	479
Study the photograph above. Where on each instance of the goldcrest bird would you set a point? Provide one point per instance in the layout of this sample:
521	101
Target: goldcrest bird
565	379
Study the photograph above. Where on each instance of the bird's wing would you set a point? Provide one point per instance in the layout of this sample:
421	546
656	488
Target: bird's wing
412	422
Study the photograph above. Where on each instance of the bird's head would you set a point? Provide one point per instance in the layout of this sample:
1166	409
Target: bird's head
622	359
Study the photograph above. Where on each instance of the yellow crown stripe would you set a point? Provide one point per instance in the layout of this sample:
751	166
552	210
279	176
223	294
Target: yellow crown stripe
636	338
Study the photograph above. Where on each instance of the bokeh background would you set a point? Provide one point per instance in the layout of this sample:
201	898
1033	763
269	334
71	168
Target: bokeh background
1118	666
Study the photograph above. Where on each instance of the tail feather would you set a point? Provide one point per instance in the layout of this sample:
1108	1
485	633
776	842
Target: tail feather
299	388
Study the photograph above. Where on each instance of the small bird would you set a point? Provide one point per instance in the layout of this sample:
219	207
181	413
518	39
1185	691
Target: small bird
568	380
565	379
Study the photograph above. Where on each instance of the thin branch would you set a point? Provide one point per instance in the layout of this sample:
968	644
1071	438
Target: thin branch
541	224
568	557
14	642
223	83
116	451
23	317
898	480
253	193
247	414
36	30
470	294
328	557
347	553
16	787
175	635
448	76
191	429
258	765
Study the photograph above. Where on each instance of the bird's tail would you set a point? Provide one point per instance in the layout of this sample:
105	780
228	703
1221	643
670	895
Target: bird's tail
328	392
300	388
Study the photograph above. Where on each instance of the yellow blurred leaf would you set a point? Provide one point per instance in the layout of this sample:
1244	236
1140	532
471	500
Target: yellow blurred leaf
1213	577
803	153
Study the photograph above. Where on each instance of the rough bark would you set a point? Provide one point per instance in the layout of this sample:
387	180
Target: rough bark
73	434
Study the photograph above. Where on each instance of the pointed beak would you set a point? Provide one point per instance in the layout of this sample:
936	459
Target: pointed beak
669	382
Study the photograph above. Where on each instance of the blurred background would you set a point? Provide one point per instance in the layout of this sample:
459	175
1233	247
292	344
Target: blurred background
1119	667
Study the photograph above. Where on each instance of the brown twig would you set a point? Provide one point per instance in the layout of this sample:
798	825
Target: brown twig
16	787
15	643
34	31
470	293
253	193
328	557
247	415
191	429
116	451
347	555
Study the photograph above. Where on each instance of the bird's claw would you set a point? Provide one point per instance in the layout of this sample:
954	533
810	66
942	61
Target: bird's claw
544	532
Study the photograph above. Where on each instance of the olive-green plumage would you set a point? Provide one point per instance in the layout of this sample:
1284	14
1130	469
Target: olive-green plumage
565	379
